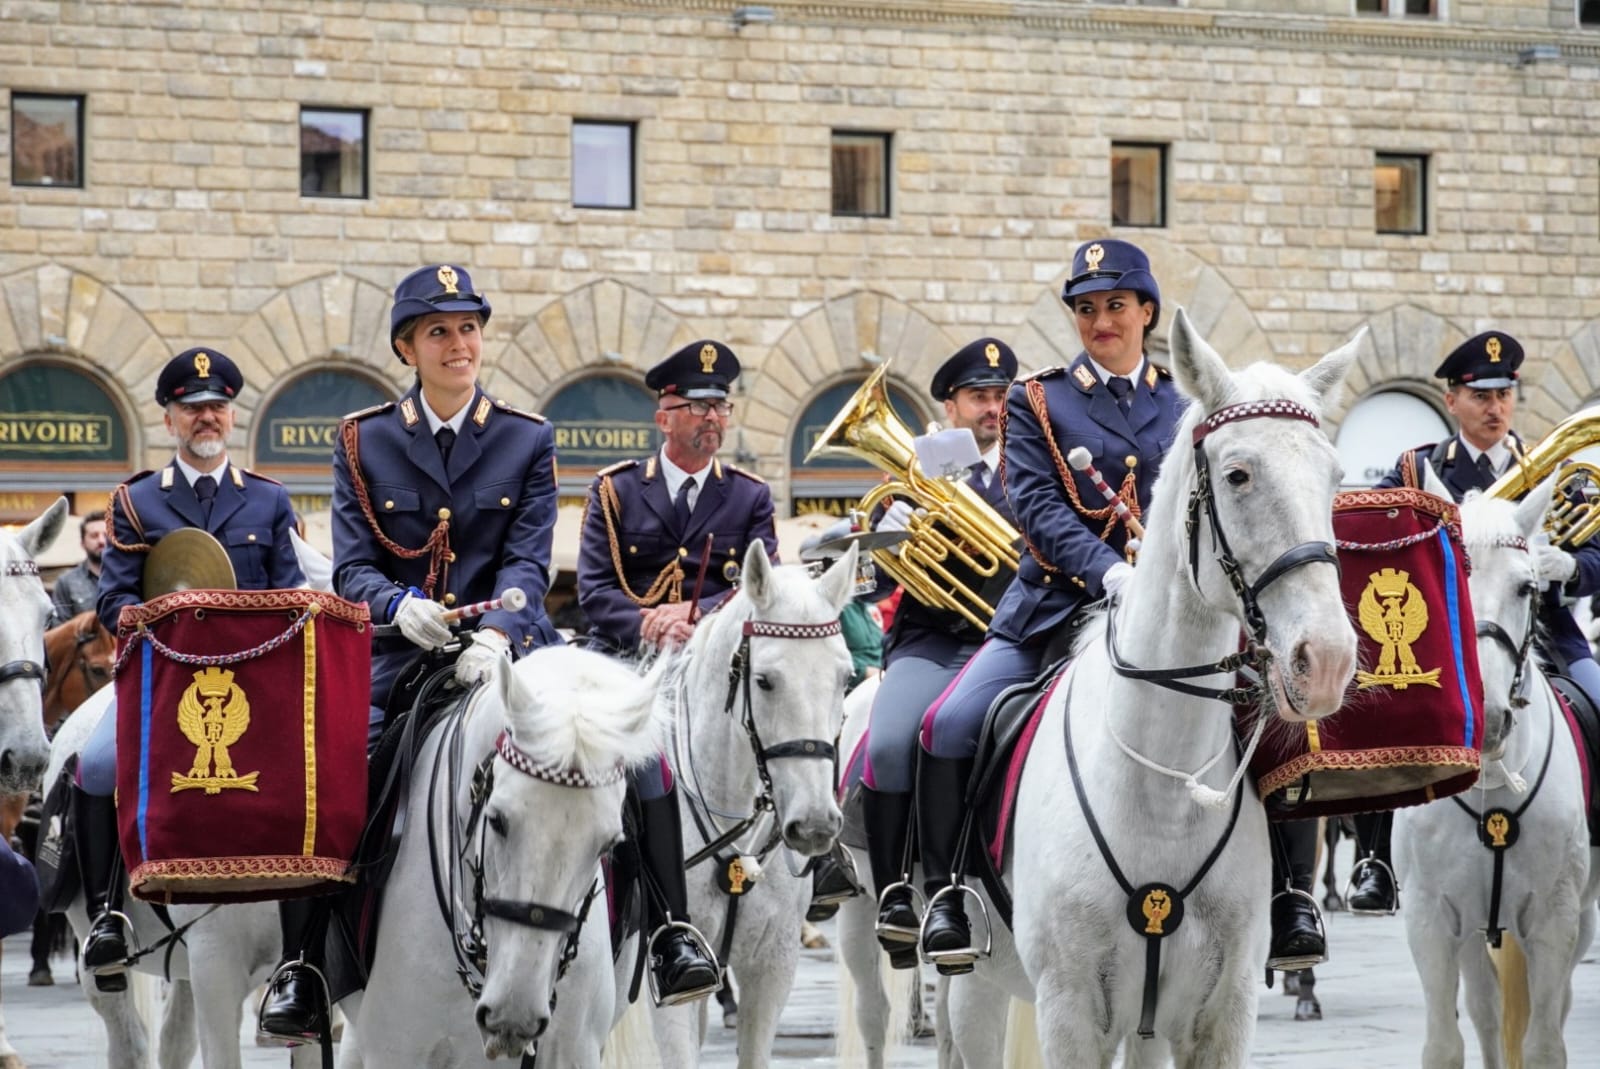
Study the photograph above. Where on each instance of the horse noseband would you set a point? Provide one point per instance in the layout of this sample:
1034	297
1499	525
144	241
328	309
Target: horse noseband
23	670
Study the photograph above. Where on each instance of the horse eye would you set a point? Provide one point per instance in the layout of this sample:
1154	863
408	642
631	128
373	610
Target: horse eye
1238	477
764	682
497	823
1528	589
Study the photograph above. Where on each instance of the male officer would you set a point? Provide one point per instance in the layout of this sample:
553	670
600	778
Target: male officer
657	533
250	516
928	646
77	590
1480	393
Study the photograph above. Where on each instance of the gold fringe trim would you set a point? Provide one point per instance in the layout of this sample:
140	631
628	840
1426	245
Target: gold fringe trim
309	722
1441	758
297	601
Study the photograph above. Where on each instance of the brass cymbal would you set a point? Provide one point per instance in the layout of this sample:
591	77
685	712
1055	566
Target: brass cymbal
867	541
187	559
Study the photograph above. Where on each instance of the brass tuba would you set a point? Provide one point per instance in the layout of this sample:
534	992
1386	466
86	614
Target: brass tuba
1574	514
954	535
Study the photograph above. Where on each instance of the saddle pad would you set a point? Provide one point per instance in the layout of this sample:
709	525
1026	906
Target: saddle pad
1584	723
1010	753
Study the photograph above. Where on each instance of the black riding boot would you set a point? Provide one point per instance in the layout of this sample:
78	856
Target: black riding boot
941	806
887	815
295	1007
1297	939
683	967
94	833
1375	888
833	879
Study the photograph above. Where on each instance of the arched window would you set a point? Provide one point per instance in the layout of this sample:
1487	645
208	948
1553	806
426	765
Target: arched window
61	430
833	484
295	430
1381	426
599	420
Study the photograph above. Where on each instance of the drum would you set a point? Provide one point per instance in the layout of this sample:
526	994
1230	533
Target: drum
241	743
1412	727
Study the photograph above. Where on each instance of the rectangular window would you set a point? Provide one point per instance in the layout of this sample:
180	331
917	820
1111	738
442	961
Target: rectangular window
1399	194
46	140
1138	184
1415	8
603	169
860	173
333	152
1589	13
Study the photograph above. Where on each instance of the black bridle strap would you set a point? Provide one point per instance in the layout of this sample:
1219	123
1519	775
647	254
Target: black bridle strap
23	670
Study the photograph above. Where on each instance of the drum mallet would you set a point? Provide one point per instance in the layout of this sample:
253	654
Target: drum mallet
1081	461
512	599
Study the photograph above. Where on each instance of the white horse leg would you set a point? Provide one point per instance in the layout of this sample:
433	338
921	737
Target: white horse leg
1436	950
1226	1024
945	1043
766	974
127	1043
1483	1003
678	1033
863	960
1552	954
178	1043
978	1011
1068	1005
1140	1053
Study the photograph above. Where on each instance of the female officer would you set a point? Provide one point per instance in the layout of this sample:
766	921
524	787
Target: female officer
445	498
1124	410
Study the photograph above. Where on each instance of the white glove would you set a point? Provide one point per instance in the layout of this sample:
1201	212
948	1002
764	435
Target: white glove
1554	565
419	620
477	662
317	568
897	517
1116	578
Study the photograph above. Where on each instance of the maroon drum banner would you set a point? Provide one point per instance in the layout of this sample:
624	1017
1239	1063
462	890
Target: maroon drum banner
1412	727
241	743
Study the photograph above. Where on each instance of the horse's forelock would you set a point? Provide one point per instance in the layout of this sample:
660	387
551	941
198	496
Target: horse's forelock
582	712
1488	521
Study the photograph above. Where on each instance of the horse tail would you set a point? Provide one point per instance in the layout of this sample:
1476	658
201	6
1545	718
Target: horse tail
1022	1037
1511	969
631	1044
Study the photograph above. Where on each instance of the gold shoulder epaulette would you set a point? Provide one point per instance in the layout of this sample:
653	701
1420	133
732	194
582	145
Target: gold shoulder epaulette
256	475
621	465
1042	373
373	411
536	417
752	476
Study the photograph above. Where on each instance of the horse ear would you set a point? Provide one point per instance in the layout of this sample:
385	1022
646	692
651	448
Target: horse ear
756	579
1433	484
42	531
1200	370
1326	376
1533	506
513	695
838	583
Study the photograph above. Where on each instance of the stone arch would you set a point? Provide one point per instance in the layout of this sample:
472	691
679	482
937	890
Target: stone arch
603	325
1567	379
61	312
1049	336
1403	344
825	345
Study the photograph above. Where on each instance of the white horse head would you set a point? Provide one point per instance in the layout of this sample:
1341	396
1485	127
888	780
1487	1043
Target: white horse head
1268	488
574	721
790	693
1505	590
25	608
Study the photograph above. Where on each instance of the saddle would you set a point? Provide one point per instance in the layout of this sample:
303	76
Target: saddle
55	858
1583	719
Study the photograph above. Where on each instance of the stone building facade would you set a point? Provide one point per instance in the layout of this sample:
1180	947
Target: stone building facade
190	226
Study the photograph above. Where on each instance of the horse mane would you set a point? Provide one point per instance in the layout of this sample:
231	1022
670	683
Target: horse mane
582	710
1486	521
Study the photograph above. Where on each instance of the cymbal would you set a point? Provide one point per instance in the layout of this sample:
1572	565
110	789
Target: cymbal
867	541
187	559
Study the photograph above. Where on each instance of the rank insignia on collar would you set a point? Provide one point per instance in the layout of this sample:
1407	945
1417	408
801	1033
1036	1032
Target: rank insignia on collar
480	415
408	412
650	468
1084	376
238	477
1150	375
448	278
166	477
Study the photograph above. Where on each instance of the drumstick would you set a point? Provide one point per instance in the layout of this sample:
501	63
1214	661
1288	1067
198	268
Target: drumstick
512	599
1081	461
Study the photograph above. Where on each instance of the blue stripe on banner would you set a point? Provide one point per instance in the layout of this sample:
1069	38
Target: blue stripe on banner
145	659
1453	608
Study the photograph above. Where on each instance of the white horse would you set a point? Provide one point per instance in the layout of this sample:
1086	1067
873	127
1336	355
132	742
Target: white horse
758	700
25	608
496	881
1244	499
1549	875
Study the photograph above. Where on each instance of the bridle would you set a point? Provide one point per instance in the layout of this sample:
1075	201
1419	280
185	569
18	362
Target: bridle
1518	651
1202	498
800	749
22	669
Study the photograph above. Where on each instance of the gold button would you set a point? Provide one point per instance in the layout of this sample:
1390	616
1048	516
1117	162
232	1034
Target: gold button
444	514
450	557
449	599
682	552
1047	580
633	549
732	552
1132	462
505	502
250	538
388	504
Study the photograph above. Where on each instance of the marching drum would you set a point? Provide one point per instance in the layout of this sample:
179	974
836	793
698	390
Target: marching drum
241	743
1412	727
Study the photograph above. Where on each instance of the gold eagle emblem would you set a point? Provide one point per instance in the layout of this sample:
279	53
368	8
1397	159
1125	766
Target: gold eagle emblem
708	358
448	279
1492	347
1093	255
991	353
213	714
1157	907
202	365
1393	612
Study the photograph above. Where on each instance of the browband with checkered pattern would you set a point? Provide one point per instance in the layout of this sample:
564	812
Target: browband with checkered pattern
561	777
21	567
1276	409
768	629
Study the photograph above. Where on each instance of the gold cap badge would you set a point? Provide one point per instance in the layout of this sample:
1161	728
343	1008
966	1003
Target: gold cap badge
708	358
448	279
1492	347
1093	255
202	365
991	353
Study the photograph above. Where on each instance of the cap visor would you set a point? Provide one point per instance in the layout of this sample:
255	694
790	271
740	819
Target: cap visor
997	379
1488	384
1094	285
700	393
202	397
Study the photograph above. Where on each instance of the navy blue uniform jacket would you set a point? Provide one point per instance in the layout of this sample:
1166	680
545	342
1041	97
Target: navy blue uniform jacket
1453	464
499	495
250	516
632	556
1062	567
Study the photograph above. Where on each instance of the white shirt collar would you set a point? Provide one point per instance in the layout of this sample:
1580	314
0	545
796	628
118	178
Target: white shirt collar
1499	454
192	473
455	422
991	459
675	475
1106	375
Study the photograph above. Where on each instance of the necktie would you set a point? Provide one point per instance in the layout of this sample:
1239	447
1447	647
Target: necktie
1486	470
205	488
446	438
680	505
1120	389
980	472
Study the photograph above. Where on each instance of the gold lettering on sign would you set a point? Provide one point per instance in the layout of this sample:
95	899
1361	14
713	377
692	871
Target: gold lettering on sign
56	431
313	436
602	437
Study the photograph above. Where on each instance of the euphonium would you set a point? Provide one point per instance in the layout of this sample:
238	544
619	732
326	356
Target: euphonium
954	536
1574	514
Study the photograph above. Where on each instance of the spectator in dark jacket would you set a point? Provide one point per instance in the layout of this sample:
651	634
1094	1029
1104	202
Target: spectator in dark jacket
19	891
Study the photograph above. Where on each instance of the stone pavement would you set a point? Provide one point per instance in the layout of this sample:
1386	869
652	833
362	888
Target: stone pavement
1369	995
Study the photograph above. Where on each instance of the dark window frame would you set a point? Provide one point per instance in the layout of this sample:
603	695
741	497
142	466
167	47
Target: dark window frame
632	126
1587	12
885	138
1163	182
81	103
1422	159
1396	9
366	151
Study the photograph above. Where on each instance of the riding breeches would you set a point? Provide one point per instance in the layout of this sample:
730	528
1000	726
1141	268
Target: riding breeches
97	761
653	779
952	726
908	687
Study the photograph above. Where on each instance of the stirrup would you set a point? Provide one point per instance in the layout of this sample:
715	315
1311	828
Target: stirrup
847	865
1293	963
908	936
272	1038
116	967
1350	886
966	955
703	945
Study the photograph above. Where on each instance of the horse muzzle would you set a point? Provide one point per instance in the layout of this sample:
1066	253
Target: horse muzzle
1310	682
503	1037
22	767
813	835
